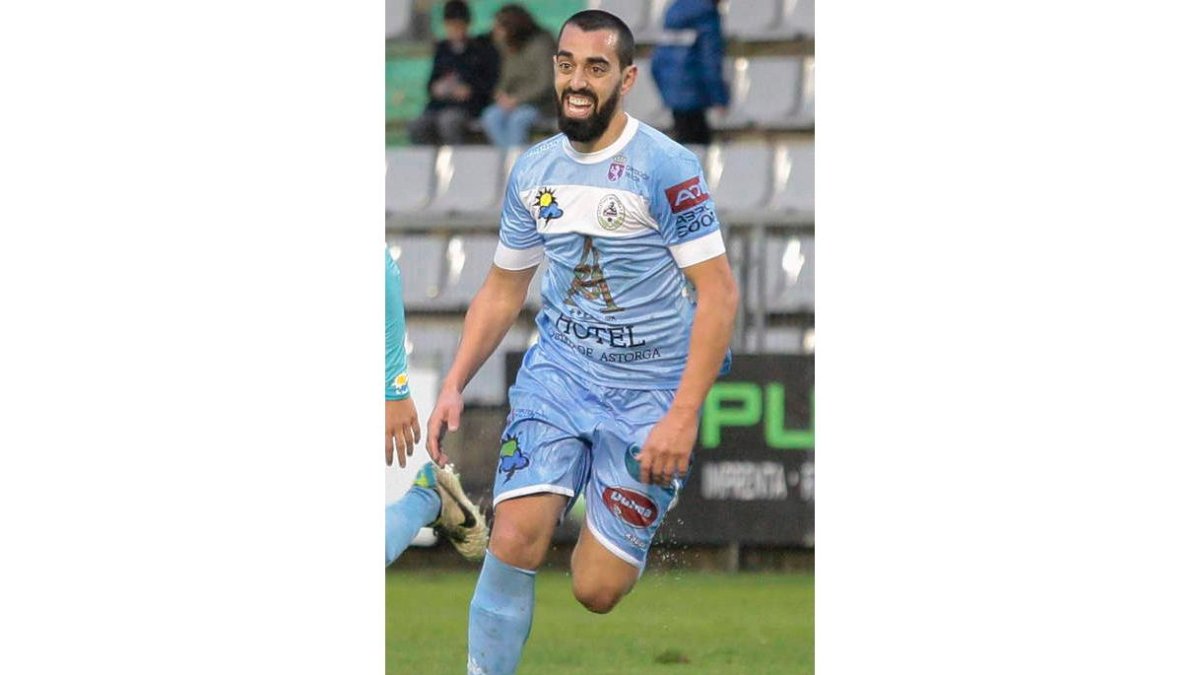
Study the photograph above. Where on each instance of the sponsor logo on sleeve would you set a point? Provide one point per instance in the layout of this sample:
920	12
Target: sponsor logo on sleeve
686	195
695	220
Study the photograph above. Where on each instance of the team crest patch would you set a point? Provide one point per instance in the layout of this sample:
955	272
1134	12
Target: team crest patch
617	168
547	205
512	459
610	213
630	506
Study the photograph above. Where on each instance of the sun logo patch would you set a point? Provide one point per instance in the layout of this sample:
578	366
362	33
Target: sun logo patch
547	205
610	213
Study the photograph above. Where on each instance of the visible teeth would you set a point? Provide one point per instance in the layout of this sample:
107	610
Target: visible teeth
578	100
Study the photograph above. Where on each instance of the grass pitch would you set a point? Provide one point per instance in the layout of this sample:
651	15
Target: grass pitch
685	623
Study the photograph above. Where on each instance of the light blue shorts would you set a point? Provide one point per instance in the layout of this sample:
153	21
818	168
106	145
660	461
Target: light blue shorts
568	437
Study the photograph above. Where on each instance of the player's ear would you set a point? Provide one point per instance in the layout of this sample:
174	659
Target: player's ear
628	78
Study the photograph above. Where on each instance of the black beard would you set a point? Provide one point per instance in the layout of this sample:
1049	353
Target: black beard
591	128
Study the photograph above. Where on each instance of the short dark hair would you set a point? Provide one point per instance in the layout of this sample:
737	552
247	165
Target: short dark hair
597	19
456	10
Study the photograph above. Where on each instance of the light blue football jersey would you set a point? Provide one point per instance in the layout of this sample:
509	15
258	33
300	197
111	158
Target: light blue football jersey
615	228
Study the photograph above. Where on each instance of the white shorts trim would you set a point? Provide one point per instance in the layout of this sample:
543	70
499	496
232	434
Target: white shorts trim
533	490
612	548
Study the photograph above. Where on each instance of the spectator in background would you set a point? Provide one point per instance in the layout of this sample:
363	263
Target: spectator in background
687	67
525	92
464	74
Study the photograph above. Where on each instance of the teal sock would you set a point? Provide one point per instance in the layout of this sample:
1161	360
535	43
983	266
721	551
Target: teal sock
416	509
500	618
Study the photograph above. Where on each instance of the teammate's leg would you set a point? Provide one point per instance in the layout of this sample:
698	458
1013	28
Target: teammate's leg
501	612
416	509
436	499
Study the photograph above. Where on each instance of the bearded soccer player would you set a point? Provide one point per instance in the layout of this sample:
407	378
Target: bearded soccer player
638	304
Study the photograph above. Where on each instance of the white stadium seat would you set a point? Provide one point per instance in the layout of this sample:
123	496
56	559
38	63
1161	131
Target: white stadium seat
421	259
739	176
794	191
764	92
790	267
468	179
635	13
409	183
799	18
750	20
397	18
644	101
468	261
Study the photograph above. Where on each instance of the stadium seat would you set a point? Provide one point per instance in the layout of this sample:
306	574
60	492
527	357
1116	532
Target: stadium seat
739	176
397	18
644	101
432	342
468	260
700	151
468	179
764	92
794	179
750	20
633	12
789	273
409	182
806	115
798	17
421	259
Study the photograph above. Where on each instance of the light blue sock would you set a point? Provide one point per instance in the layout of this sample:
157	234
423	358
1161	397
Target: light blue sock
416	509
500	619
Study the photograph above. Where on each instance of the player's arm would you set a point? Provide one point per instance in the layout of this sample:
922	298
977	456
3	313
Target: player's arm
402	427
668	449
492	313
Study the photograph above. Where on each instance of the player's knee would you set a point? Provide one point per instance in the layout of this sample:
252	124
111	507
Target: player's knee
597	598
518	545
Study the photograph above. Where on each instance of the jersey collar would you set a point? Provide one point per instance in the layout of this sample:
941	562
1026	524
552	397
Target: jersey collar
631	127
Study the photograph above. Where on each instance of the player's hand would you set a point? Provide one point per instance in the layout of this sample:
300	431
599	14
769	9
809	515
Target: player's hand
401	429
446	415
668	449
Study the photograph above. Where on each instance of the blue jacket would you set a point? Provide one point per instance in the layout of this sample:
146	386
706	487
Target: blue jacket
687	61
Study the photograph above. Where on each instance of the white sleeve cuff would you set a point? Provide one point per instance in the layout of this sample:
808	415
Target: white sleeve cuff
517	258
698	250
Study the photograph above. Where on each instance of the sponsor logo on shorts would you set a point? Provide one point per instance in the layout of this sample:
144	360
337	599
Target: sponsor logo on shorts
630	506
512	459
686	195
